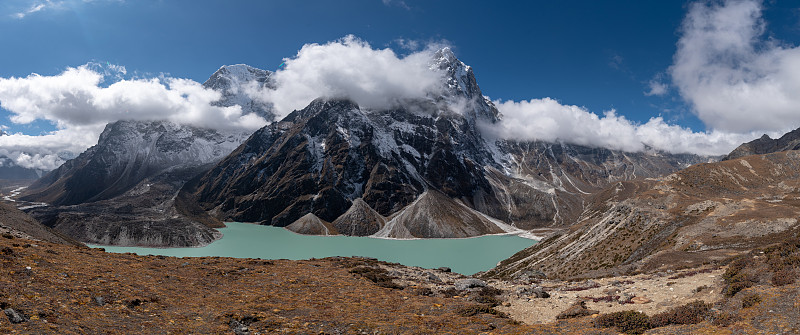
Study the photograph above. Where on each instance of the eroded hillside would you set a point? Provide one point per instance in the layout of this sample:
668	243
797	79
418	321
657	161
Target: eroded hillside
704	213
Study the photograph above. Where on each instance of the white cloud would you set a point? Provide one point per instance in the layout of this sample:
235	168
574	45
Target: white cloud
32	9
730	73
349	67
42	152
547	119
78	103
407	44
656	88
76	98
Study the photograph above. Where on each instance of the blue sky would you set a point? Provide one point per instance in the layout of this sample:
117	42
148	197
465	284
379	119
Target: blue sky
588	53
594	55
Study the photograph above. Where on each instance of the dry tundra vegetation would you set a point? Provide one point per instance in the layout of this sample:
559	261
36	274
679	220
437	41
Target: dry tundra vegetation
56	288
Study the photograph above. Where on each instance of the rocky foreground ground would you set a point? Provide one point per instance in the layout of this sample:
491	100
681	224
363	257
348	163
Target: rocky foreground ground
61	289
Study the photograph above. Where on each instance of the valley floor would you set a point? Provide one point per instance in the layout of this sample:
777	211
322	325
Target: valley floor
59	289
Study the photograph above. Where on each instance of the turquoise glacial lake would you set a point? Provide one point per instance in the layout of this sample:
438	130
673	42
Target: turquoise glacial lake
242	240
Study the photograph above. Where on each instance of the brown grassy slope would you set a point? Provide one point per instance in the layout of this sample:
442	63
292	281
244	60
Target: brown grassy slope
150	294
17	223
703	213
165	295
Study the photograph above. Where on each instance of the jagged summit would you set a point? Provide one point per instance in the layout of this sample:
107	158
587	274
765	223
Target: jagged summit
460	83
239	85
765	145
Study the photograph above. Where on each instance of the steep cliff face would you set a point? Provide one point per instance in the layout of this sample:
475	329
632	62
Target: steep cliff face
765	145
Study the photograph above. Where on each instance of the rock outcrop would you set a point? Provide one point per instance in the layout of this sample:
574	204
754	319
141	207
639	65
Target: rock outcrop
766	145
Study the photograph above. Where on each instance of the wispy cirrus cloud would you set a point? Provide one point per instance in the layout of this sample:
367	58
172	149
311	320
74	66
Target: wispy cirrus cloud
27	8
398	3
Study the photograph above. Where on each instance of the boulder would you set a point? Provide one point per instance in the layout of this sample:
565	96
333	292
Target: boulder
469	283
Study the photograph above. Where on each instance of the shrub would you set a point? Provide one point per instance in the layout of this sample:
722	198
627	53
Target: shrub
581	288
691	313
489	291
629	322
690	273
449	292
607	298
725	319
736	266
783	276
479	309
376	275
423	291
738	282
750	300
489	300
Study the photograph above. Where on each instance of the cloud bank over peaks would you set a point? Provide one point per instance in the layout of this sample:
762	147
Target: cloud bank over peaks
548	120
351	68
729	72
80	101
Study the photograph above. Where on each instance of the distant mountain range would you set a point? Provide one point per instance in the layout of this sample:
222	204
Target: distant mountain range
9	170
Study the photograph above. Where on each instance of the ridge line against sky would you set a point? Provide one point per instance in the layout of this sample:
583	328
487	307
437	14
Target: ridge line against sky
726	64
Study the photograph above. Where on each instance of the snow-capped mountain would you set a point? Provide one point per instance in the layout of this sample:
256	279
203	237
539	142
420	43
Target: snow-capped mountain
124	189
126	153
419	169
10	170
238	85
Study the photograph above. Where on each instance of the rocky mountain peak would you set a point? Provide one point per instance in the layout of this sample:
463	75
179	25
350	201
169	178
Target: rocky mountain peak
128	152
765	145
239	85
460	88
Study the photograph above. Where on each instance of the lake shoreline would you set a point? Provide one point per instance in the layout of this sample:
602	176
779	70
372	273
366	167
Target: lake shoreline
249	240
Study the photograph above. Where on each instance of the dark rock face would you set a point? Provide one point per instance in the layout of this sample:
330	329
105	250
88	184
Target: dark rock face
419	169
333	152
766	145
125	189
